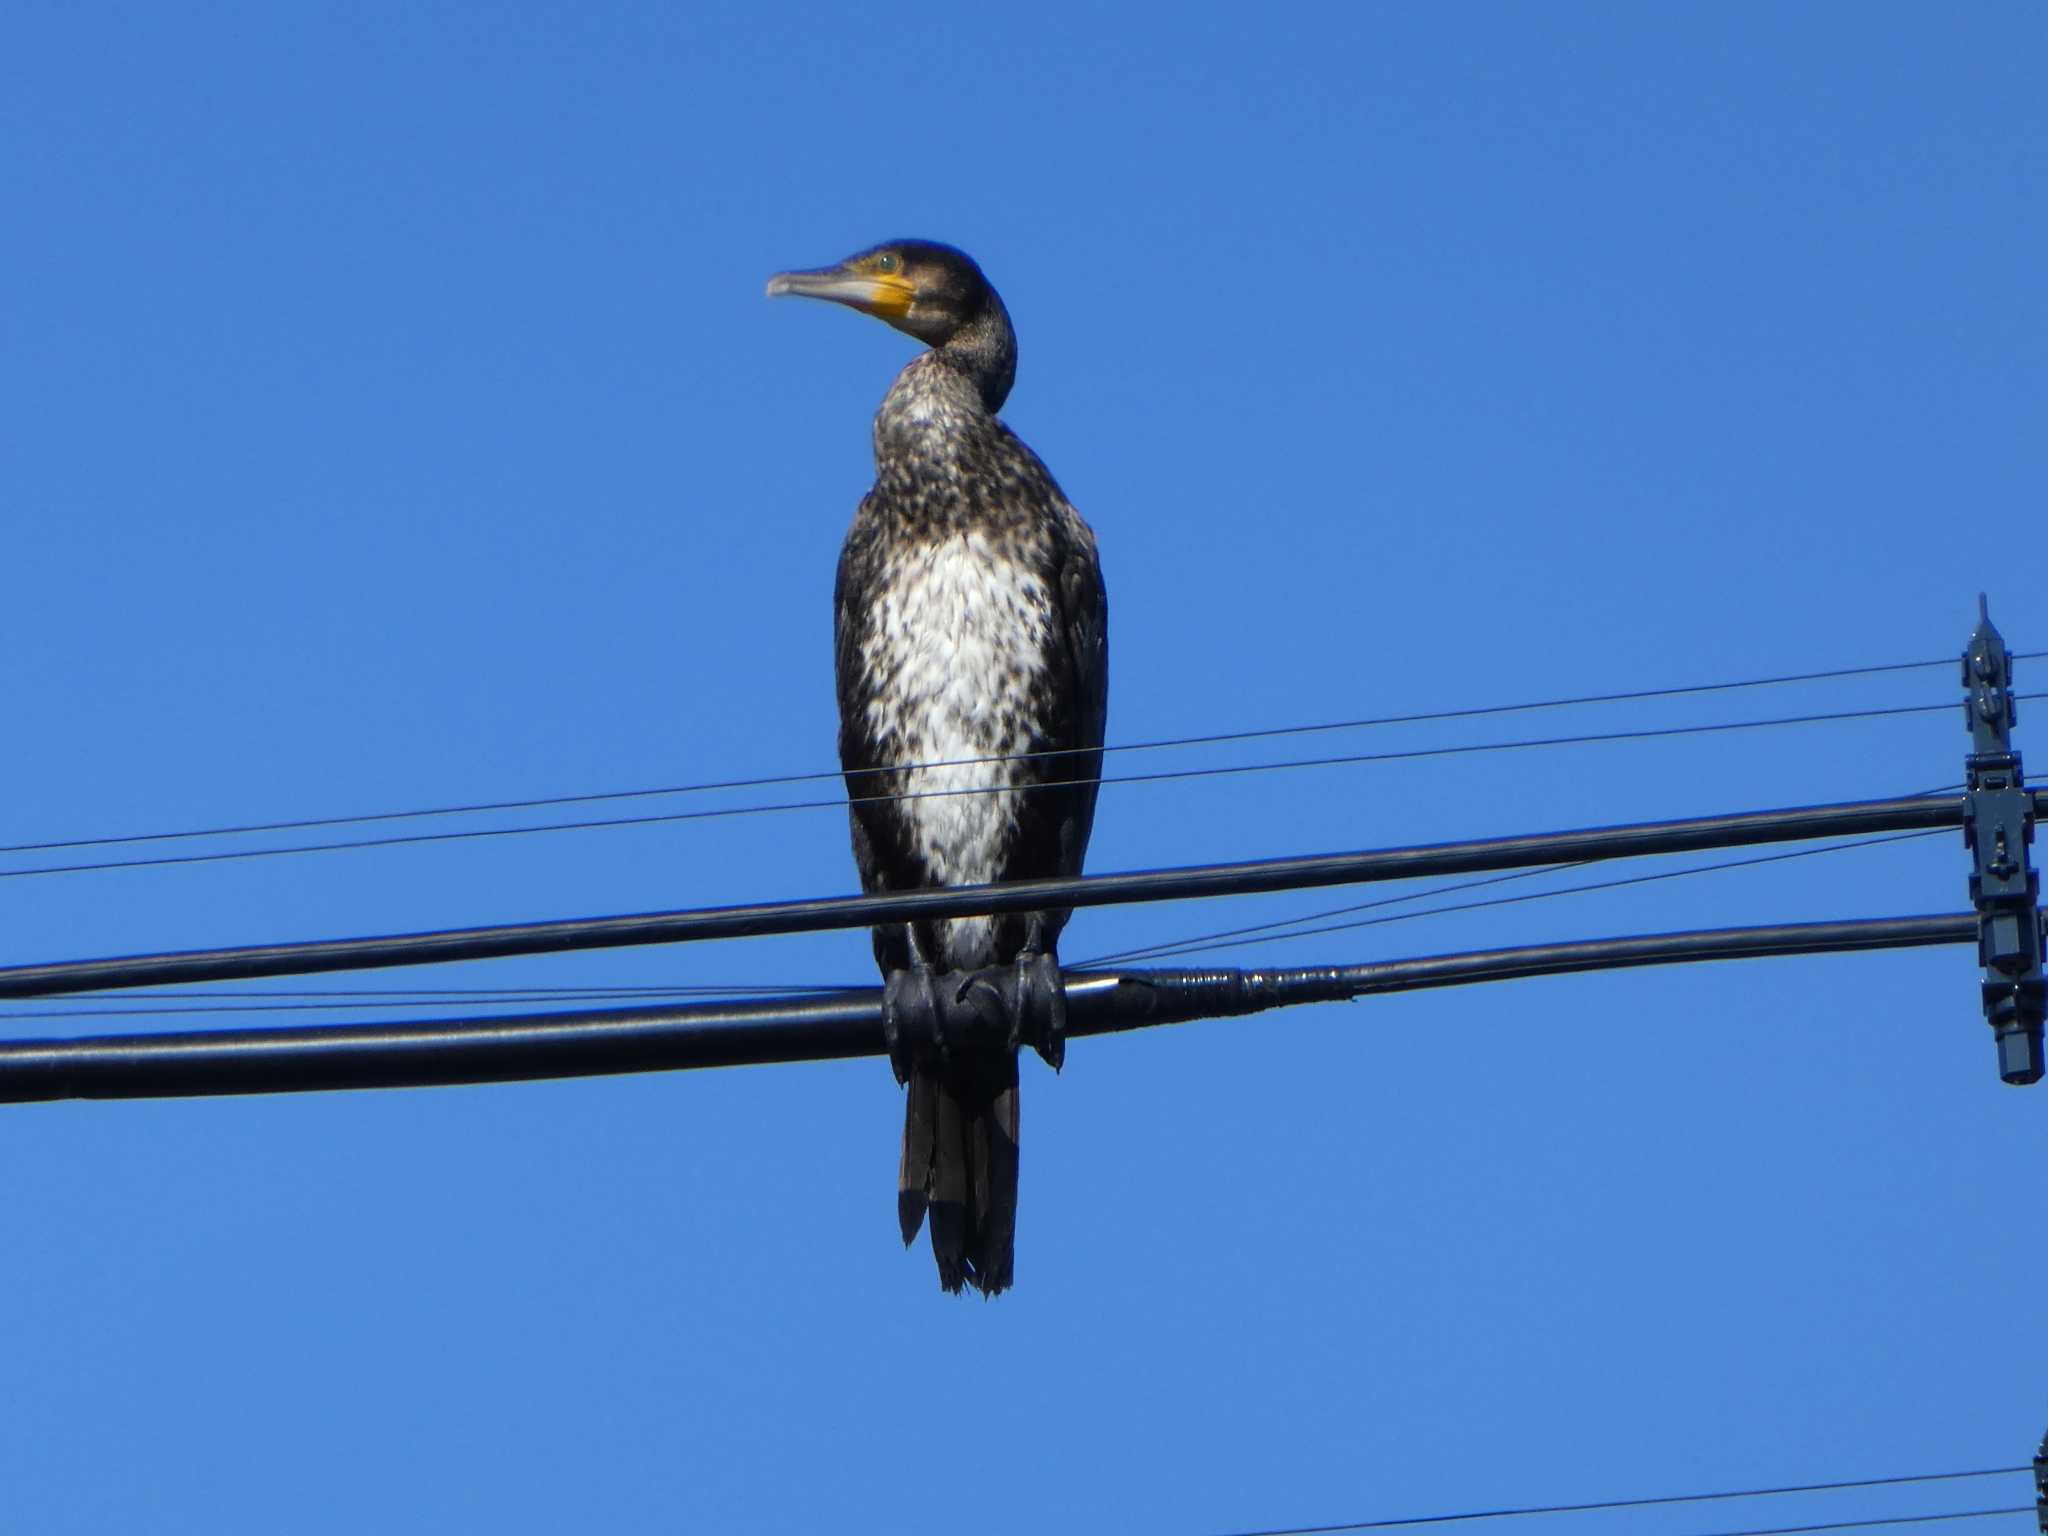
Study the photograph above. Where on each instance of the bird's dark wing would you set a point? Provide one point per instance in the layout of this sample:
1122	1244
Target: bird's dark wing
1055	818
881	849
1084	612
851	604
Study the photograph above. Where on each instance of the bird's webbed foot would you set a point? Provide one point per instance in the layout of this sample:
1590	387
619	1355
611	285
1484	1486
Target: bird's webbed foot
1037	1001
913	1020
926	1015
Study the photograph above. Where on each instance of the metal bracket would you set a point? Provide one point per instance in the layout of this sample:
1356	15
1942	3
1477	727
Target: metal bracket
2041	1486
1998	829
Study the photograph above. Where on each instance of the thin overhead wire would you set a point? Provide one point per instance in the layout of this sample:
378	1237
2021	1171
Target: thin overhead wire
837	802
1868	1523
1874	1523
1447	888
493	993
308	823
1596	1506
1194	942
160	1004
1231	938
292	1000
760	919
757	1031
280	1000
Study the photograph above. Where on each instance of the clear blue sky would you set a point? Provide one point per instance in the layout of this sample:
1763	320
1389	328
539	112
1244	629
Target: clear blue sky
390	417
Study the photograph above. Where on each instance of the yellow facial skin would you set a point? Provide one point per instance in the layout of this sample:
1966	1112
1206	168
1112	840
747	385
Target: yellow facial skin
875	284
893	293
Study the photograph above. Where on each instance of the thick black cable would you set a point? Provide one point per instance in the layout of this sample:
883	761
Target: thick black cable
1253	934
1204	943
468	997
242	963
1218	738
338	999
498	994
1218	937
525	1047
86	1008
1522	1511
249	962
836	802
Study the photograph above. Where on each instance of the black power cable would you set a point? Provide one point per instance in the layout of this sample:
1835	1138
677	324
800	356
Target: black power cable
1257	933
498	999
335	999
1742	829
525	1047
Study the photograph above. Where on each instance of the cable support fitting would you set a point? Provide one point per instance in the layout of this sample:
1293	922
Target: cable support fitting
2041	1485
1998	829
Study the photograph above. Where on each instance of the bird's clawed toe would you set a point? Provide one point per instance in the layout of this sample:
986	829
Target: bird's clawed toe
913	1021
1038	1007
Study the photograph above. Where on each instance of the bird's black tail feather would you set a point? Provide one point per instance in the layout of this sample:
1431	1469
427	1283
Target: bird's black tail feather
960	1165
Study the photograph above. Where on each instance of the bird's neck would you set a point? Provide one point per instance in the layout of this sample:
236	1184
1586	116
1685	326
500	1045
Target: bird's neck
945	400
985	351
934	410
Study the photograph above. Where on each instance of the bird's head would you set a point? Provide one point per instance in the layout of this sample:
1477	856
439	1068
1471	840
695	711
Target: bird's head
925	289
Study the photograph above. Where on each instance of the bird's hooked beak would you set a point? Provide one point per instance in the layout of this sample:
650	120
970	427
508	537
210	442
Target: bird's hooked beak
885	295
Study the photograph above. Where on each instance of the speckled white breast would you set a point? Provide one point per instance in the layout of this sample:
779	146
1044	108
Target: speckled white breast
960	638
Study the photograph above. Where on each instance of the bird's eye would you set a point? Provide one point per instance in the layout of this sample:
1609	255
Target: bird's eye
887	262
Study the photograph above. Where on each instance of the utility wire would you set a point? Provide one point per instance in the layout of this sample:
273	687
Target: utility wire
1874	1523
1231	938
286	1000
1743	829
280	999
1865	1524
1213	940
340	999
836	802
1206	940
164	1004
1259	933
489	994
1662	1499
773	780
526	1047
340	1003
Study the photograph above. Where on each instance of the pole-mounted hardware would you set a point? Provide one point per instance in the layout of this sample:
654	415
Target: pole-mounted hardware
1998	827
2041	1486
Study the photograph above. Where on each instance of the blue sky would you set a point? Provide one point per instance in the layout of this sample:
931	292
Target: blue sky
390	417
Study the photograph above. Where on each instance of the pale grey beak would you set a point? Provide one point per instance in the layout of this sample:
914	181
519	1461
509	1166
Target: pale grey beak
824	283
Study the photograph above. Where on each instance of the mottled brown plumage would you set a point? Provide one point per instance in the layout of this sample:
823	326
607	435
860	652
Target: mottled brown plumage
970	623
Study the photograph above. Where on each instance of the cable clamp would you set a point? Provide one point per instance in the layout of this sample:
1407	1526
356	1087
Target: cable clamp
1998	829
2041	1485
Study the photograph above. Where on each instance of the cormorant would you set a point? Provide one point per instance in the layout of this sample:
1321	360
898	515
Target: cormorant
972	662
